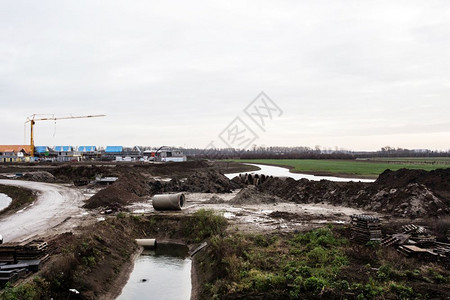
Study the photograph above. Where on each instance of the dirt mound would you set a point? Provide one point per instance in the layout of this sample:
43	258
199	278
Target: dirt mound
171	169
250	195
437	179
399	197
125	190
79	173
209	181
42	176
214	200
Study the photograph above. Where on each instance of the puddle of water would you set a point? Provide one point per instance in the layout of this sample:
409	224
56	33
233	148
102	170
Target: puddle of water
229	215
163	273
284	172
5	201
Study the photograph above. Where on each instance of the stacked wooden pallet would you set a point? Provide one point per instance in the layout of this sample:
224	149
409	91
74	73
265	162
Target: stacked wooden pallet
395	239
365	228
36	249
8	253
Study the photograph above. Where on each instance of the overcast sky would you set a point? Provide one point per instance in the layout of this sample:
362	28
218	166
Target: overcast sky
353	74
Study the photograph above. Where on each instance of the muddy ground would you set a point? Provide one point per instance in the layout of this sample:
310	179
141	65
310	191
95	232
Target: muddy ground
275	206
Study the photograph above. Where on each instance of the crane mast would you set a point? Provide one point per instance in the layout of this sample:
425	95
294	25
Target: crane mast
33	118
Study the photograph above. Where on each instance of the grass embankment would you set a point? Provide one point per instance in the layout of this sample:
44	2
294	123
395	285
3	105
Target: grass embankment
365	168
20	197
317	264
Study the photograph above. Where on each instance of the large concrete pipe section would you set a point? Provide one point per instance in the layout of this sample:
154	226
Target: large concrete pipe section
168	201
146	243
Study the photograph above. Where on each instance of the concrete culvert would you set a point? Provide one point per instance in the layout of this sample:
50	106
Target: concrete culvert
168	201
146	243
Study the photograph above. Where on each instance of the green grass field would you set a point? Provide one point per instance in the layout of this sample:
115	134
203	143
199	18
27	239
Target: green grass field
367	168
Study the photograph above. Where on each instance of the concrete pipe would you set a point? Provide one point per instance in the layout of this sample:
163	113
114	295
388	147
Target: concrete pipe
146	243
168	201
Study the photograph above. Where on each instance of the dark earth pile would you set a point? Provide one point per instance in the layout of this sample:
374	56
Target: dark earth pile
250	195
172	169
125	190
215	200
42	176
209	181
75	173
406	193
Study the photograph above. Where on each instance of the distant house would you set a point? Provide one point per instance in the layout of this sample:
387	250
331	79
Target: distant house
41	151
114	149
87	149
14	153
88	152
111	152
66	153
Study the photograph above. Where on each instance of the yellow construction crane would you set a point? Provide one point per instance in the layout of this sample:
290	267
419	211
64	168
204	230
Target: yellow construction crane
33	118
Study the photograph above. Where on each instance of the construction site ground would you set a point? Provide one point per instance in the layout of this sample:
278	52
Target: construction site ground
66	214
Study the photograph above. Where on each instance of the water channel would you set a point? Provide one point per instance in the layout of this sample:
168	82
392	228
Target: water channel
162	273
284	172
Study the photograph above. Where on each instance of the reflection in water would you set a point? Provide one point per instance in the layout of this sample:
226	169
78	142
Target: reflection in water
284	172
163	273
5	201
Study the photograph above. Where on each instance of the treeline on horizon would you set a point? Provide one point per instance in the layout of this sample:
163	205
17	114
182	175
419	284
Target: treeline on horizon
308	153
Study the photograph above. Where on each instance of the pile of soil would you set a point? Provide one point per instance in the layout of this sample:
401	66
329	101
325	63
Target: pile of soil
437	180
81	173
214	200
42	176
403	193
250	195
170	169
285	215
126	190
209	181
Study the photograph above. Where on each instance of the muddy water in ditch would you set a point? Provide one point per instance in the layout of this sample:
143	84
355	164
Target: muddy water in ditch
163	273
284	172
5	201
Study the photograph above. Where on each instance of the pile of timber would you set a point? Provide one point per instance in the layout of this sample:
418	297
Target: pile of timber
365	228
395	239
11	253
17	260
417	241
36	249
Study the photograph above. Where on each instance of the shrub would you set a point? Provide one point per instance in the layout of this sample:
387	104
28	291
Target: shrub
318	255
204	224
314	284
403	292
384	272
